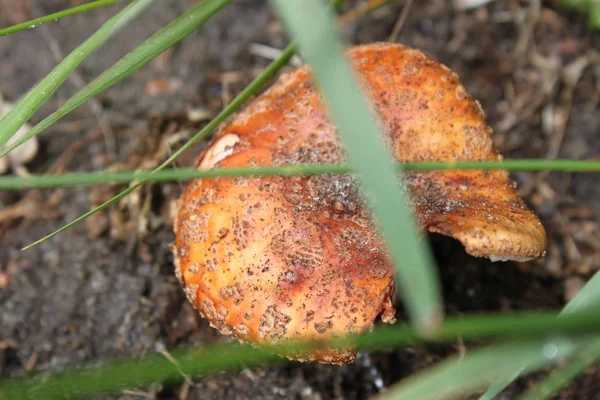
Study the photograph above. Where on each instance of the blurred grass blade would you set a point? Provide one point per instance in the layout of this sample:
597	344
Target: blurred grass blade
94	378
56	16
312	25
591	8
458	376
19	115
156	44
97	178
587	299
248	92
565	374
499	385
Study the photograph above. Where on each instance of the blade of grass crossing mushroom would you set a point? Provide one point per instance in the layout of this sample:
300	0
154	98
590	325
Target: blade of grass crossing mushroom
56	16
311	24
78	381
33	181
587	299
19	115
248	92
458	376
156	44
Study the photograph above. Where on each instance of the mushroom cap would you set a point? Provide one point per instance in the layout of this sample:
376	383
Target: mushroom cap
270	259
429	116
22	154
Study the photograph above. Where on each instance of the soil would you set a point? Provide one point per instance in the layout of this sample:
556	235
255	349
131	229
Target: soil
106	288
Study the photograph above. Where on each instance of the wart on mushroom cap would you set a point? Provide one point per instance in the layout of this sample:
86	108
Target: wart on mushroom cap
270	259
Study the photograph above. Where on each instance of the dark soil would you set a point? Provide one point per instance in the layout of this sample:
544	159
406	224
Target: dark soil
106	287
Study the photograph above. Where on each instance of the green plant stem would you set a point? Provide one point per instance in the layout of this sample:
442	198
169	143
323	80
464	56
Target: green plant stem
56	16
19	115
166	175
155	368
586	300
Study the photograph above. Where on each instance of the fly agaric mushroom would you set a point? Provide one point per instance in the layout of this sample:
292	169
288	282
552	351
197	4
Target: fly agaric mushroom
270	259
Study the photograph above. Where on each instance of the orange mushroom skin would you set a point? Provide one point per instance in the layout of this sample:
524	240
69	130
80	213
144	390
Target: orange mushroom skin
272	259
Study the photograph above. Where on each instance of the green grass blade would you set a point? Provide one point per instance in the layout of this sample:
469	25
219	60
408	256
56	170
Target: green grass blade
19	115
94	378
311	23
159	42
156	44
587	299
165	38
97	178
591	8
56	16
248	92
463	376
499	385
240	100
565	374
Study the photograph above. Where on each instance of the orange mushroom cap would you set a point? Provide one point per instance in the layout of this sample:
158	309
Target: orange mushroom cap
270	259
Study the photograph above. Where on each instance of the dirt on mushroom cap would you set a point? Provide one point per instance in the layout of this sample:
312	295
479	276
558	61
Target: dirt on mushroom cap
274	259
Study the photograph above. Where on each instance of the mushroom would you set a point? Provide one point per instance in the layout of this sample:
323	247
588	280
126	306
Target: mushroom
22	154
272	259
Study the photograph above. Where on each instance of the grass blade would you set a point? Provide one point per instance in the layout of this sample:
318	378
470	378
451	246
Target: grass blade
232	107
311	23
458	377
248	92
166	175
499	385
591	8
56	16
563	375
532	165
156	44
19	115
587	299
84	381
162	40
